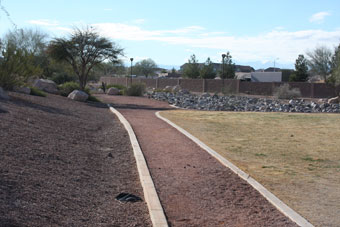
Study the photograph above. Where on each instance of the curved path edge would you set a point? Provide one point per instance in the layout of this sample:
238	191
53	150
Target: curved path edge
150	195
281	206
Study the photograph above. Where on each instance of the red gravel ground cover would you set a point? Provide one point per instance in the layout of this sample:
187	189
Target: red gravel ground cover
194	188
63	162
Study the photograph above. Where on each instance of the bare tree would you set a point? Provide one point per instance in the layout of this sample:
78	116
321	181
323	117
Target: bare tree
83	50
320	61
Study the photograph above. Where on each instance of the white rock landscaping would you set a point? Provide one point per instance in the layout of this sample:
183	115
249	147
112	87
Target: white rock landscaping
78	96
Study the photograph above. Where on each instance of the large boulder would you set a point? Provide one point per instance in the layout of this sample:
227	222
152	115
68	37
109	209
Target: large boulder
113	91
334	100
78	96
46	85
24	90
3	94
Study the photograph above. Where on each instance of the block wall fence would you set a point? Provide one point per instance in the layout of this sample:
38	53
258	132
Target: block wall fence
308	90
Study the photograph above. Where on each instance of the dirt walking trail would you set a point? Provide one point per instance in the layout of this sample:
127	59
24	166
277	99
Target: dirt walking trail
194	188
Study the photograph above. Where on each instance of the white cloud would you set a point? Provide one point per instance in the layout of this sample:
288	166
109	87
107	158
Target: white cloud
139	21
44	22
319	17
281	44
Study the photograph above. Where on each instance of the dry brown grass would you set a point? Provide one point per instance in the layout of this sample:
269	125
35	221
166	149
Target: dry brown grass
295	156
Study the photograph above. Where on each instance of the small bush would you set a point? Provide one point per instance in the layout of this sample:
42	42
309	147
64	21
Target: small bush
61	78
68	87
285	92
118	86
136	90
37	92
93	99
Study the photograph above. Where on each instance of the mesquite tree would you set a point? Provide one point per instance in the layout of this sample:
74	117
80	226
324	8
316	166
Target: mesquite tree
83	50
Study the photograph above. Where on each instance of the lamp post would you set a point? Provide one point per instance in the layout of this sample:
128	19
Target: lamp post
223	56
131	59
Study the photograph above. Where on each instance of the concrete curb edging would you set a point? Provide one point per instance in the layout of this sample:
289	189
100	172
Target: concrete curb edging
156	212
281	206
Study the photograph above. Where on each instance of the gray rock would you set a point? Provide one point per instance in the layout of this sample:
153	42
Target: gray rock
78	96
176	88
184	91
46	85
112	91
238	103
205	95
3	94
24	90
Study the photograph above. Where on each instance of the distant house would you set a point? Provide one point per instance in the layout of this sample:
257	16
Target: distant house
266	76
173	75
272	69
218	67
243	76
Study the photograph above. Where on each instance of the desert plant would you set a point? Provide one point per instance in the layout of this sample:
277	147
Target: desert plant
62	77
135	90
83	50
66	88
118	86
285	92
37	92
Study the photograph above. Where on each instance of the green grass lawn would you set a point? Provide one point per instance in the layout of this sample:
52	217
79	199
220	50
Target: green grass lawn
295	156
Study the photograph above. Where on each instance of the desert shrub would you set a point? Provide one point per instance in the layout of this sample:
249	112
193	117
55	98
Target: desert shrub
118	86
37	92
66	88
136	90
285	92
61	78
16	66
93	99
121	88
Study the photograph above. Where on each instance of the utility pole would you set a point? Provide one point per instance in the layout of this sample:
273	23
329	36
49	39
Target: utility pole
131	59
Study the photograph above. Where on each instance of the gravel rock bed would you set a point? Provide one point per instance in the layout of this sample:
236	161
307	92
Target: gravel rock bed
241	103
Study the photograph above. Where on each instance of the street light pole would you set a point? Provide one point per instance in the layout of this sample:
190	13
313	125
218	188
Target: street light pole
223	56
131	59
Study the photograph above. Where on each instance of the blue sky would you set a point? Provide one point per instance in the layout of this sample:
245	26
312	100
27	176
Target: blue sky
256	32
